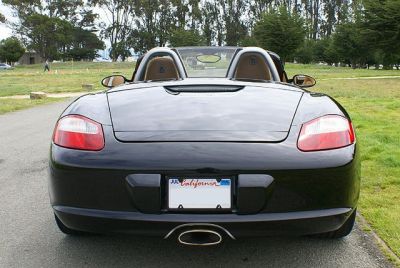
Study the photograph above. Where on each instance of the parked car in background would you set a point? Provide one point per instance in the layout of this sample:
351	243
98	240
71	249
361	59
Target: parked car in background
102	60
4	66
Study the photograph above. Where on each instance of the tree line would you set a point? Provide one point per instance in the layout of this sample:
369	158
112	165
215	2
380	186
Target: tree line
356	32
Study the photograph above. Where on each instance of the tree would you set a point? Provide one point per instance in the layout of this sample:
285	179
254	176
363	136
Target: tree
235	28
330	54
73	11
248	41
381	28
325	51
2	18
285	26
84	45
187	13
49	27
208	23
47	36
305	53
350	45
117	25
181	12
54	38
258	8
280	32
213	28
182	37
11	50
154	23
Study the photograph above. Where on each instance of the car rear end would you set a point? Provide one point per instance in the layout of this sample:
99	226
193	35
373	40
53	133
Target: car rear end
166	169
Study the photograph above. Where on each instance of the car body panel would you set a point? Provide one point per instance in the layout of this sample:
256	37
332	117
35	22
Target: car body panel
168	225
154	114
94	106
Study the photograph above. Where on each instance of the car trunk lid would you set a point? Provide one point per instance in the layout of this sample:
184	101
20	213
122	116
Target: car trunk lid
245	114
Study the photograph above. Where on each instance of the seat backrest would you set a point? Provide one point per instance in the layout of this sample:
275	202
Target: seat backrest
252	66
113	81
161	68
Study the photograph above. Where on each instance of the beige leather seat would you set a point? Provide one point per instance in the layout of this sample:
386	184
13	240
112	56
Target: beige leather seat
113	81
252	66
161	68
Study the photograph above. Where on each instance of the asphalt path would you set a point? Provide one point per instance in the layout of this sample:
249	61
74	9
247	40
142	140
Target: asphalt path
30	238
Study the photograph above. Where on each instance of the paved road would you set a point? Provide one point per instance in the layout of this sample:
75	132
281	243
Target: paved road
29	237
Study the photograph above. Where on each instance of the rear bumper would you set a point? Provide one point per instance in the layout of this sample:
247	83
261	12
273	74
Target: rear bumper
123	187
289	223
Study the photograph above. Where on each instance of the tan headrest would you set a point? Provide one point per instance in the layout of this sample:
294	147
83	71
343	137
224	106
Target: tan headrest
161	68
252	66
118	80
113	81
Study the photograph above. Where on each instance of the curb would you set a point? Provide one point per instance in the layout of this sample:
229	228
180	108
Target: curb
382	244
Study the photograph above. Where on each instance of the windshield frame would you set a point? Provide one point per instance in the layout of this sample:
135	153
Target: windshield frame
230	69
223	49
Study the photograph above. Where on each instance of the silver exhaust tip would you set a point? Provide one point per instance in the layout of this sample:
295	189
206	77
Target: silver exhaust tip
200	237
206	226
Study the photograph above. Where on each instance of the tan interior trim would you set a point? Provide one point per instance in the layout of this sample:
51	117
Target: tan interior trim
161	68
252	66
116	81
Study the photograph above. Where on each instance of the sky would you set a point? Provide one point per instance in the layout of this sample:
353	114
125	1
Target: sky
4	30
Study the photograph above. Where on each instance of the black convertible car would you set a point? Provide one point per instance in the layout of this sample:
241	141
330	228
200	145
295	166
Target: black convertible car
202	144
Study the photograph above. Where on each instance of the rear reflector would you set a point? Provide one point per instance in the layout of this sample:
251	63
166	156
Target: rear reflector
326	132
79	132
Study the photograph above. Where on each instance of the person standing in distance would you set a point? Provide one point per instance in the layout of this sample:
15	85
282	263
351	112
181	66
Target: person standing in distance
47	66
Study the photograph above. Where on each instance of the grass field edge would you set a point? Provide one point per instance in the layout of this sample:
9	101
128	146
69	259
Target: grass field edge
386	250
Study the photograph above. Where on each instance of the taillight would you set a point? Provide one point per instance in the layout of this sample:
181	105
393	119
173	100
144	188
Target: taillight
79	132
326	132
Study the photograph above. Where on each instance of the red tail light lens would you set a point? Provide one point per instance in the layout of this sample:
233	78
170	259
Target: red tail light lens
79	132
326	132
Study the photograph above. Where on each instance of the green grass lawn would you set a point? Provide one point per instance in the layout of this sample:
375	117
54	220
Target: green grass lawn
326	72
374	105
63	77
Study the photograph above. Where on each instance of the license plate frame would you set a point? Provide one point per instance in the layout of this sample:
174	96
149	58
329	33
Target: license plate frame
171	203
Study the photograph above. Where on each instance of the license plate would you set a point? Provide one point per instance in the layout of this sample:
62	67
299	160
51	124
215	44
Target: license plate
199	193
